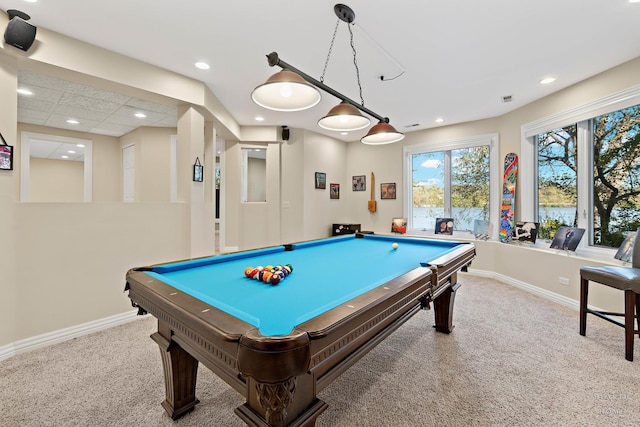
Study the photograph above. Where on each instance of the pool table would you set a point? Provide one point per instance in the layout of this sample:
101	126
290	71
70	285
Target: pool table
279	345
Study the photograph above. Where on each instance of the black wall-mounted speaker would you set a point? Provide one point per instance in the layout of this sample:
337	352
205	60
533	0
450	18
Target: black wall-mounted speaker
20	33
285	133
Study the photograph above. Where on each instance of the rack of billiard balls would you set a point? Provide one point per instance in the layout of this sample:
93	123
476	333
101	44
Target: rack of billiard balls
271	274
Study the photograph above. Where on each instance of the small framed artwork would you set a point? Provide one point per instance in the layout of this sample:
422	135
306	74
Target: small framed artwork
625	251
525	231
334	191
481	229
444	226
399	225
388	190
6	157
198	171
359	183
321	180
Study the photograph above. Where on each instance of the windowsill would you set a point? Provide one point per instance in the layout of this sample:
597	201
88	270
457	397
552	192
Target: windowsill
604	255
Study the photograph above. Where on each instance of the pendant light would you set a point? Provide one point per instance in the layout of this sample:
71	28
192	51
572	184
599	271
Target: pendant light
294	90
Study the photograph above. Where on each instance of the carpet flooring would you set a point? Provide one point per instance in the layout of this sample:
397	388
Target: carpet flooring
513	359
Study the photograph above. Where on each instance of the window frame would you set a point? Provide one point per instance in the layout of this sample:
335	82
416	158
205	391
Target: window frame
495	171
581	116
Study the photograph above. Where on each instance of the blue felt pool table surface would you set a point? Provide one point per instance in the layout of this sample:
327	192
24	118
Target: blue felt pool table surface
326	273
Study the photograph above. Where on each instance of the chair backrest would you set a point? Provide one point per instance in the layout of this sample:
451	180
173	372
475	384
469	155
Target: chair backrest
635	255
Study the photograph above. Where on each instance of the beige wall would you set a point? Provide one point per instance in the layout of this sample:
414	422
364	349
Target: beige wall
72	259
53	180
152	157
8	195
322	154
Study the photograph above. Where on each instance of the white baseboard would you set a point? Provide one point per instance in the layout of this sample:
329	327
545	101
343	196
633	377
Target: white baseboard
61	335
560	299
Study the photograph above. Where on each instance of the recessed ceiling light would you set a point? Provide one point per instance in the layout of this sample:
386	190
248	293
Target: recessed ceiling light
31	1
72	122
80	145
65	157
439	120
634	1
547	80
24	91
71	152
202	65
140	115
259	118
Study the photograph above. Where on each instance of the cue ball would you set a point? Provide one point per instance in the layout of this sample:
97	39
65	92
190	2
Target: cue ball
394	246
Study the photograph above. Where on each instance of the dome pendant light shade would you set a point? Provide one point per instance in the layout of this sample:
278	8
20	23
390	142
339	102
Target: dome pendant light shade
286	91
382	133
344	117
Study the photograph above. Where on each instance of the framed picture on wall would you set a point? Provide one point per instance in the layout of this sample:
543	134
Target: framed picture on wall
334	191
198	171
359	183
321	180
388	190
6	157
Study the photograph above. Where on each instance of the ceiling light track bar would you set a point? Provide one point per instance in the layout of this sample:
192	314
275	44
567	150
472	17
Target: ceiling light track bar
274	59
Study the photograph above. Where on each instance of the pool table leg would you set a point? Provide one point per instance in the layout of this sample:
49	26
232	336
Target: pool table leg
180	372
443	307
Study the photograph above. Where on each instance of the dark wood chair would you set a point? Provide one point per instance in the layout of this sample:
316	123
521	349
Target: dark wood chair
626	279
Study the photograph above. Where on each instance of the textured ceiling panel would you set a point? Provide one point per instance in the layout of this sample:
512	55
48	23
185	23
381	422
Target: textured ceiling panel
54	101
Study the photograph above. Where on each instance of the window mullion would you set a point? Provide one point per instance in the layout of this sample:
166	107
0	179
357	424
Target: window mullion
448	212
584	178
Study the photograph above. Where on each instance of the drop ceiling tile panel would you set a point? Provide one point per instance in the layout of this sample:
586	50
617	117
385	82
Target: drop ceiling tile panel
113	127
150	106
97	94
170	121
60	121
35	104
77	112
72	152
126	116
107	132
106	113
32	116
40	80
41	93
70	99
42	149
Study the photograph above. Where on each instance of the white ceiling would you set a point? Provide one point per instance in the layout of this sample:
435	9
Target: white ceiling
456	59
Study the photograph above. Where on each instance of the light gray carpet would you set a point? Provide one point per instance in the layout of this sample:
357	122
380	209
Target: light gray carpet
513	359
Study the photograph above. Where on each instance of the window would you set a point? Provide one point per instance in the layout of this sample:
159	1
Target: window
615	175
587	171
452	180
